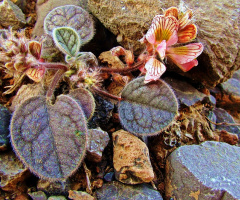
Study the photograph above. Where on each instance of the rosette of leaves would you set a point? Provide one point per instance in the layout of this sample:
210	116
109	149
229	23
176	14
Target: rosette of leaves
51	139
71	16
147	109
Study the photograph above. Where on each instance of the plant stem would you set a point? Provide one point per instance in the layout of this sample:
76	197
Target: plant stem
54	82
54	65
104	93
124	70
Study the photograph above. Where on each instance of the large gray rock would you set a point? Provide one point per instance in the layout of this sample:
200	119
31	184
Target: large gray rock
207	171
218	29
116	190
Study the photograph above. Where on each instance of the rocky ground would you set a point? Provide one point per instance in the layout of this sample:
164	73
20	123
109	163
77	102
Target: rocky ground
196	157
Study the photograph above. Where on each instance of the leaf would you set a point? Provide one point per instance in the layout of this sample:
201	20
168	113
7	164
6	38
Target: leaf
85	99
147	109
67	40
70	16
45	136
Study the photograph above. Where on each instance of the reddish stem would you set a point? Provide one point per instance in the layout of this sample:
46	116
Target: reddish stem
54	65
54	82
104	93
124	70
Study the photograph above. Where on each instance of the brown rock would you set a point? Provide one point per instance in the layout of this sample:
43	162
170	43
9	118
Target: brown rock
11	15
75	195
131	159
25	92
44	7
218	29
12	172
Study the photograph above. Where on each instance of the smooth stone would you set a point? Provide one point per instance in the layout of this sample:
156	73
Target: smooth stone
207	171
39	195
116	190
79	195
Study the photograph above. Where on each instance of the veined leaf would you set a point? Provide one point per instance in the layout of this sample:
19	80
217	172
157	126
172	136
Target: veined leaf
67	40
51	140
147	109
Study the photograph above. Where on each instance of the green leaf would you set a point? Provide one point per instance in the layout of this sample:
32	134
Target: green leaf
67	40
44	136
147	109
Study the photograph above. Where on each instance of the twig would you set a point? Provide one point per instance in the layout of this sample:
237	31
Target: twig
222	123
88	175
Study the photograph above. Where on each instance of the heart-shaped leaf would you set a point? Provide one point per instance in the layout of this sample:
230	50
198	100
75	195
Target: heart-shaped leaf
70	16
67	40
51	140
147	109
85	100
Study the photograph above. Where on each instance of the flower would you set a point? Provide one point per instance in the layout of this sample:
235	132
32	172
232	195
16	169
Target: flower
21	55
163	40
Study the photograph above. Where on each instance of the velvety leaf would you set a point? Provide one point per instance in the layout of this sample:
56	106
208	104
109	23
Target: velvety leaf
85	100
147	109
67	40
70	16
51	140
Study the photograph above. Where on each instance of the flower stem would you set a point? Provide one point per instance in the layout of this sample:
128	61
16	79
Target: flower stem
54	65
106	94
54	82
124	70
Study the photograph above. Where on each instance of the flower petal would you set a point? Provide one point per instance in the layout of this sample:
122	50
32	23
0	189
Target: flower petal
162	28
184	54
161	49
185	19
36	74
187	66
154	70
35	48
187	34
172	11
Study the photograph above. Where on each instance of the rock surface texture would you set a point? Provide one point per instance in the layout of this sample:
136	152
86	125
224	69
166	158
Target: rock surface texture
206	171
131	159
117	190
219	32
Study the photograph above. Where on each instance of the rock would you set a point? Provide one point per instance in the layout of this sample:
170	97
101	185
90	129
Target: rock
228	96
12	172
206	171
25	92
39	195
11	15
76	195
223	116
5	117
57	198
117	190
44	7
109	176
185	92
218	32
55	188
103	112
22	4
236	75
131	159
97	143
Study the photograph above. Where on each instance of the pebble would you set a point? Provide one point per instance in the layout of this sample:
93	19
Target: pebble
79	195
131	159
